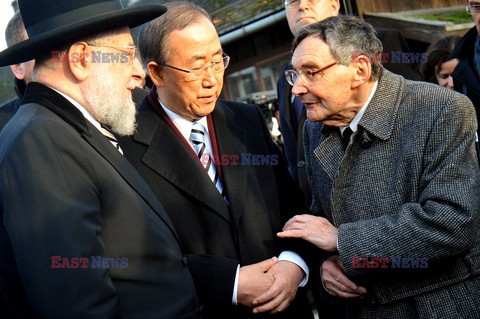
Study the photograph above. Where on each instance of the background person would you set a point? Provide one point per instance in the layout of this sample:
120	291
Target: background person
439	65
466	78
15	33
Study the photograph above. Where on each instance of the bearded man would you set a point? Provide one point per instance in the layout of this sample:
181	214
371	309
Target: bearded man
82	235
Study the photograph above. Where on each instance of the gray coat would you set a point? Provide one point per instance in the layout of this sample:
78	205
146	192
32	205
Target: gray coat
407	185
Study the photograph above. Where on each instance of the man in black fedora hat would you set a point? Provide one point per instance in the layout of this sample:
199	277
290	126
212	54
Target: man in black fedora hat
82	235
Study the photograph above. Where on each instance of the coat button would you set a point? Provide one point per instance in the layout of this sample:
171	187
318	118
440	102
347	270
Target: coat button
301	164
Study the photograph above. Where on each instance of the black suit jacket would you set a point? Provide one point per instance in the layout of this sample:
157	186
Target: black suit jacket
291	127
8	109
66	191
245	231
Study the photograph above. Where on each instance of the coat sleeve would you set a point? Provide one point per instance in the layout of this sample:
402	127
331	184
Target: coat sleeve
51	210
214	278
444	221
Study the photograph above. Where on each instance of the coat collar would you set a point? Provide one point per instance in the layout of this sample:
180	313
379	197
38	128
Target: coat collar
56	103
378	120
380	116
20	86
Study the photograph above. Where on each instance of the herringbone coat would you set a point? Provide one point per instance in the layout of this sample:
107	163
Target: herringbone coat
408	186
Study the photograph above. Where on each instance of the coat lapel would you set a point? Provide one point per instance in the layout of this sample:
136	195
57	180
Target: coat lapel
329	152
378	120
170	158
129	174
380	116
232	140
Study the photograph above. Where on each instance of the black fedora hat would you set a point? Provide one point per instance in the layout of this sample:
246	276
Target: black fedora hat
52	23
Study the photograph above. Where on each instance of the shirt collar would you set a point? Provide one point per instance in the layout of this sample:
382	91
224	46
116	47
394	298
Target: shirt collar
183	125
354	123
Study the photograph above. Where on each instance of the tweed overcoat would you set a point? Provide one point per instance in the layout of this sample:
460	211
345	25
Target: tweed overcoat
406	186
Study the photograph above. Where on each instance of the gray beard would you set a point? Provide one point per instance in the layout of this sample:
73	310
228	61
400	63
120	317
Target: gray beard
116	112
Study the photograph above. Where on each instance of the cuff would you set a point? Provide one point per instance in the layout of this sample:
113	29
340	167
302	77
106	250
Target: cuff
235	287
295	258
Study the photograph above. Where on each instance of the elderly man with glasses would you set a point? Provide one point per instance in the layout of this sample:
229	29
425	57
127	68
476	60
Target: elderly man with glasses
395	180
217	172
301	13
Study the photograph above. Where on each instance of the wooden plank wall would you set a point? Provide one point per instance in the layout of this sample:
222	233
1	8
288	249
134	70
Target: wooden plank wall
403	5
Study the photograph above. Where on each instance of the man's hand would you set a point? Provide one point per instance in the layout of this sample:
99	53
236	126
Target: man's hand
287	278
316	230
254	280
336	282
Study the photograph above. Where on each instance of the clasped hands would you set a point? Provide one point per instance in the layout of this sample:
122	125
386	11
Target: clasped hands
320	232
269	286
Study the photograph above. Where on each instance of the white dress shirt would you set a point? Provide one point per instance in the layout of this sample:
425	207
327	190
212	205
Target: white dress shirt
354	123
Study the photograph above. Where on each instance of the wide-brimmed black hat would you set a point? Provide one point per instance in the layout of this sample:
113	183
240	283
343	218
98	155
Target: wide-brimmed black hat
53	23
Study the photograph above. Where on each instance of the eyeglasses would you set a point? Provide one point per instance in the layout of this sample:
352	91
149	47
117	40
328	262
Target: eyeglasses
296	3
130	49
473	8
199	73
308	76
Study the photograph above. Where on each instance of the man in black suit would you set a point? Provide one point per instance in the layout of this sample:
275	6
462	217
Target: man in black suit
15	33
82	235
216	170
292	112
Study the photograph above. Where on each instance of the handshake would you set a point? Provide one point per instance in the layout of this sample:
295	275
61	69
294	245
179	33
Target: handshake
269	286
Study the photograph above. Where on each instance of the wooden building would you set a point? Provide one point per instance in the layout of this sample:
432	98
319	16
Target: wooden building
255	34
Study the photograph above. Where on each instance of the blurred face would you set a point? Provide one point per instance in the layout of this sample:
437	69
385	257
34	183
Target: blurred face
304	12
475	16
328	98
443	73
108	88
195	47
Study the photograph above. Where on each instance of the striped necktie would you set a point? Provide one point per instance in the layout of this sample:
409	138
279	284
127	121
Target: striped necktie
205	156
109	135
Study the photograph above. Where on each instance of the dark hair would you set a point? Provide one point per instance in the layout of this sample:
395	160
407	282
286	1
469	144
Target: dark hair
15	31
438	53
346	35
154	34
